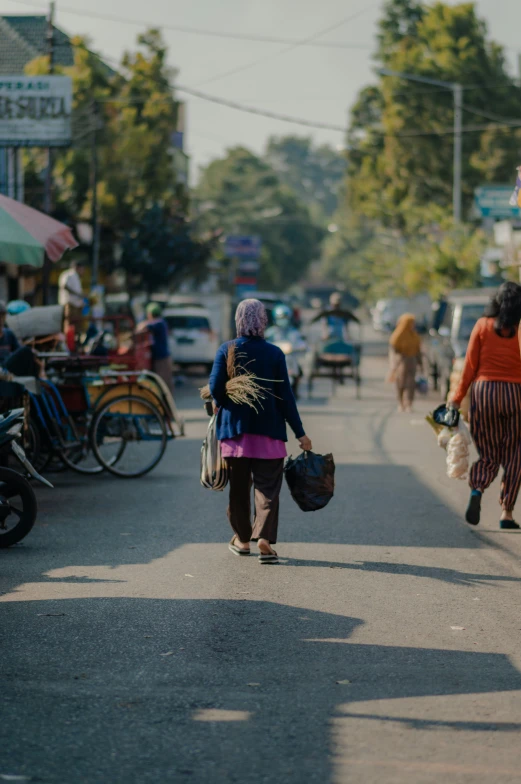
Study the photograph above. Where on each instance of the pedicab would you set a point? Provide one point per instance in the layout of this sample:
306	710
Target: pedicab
337	354
105	411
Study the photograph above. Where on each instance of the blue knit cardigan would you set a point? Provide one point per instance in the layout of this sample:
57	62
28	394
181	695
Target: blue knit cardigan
268	363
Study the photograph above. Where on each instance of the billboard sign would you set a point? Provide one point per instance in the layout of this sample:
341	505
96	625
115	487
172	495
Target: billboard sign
35	111
492	201
242	247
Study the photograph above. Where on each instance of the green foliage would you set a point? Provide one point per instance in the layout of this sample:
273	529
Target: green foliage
393	165
160	248
242	194
396	235
132	115
314	173
432	255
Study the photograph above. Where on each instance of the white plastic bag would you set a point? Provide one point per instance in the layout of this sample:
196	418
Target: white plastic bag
444	437
458	452
214	468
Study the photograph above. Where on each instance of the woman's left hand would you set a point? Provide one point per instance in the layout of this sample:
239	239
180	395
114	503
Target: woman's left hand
305	444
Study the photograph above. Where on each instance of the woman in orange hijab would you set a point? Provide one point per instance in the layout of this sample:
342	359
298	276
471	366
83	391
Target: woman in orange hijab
405	357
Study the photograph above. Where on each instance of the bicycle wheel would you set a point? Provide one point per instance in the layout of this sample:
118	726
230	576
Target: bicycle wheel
76	450
129	436
18	507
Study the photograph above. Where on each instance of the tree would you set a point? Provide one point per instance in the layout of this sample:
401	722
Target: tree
314	173
161	249
131	114
433	255
401	133
138	168
241	194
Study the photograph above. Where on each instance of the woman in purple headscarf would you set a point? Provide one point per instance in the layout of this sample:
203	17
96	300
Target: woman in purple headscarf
254	439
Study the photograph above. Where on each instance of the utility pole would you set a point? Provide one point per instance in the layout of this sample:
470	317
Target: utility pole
458	122
457	92
47	199
94	186
50	54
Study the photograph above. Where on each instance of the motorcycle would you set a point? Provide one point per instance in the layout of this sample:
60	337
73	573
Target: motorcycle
294	351
18	506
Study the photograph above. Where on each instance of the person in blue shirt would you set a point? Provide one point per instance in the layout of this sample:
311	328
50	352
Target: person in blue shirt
158	329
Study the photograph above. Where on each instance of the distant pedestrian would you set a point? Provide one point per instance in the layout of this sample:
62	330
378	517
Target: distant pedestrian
493	367
253	440
70	295
158	329
405	357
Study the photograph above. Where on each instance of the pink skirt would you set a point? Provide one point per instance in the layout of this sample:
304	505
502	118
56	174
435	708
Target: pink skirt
249	445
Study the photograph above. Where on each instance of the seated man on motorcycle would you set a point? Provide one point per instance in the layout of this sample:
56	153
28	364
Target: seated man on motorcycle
290	340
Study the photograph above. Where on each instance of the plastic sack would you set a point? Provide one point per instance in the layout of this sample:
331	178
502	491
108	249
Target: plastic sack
446	416
458	453
214	468
311	480
444	437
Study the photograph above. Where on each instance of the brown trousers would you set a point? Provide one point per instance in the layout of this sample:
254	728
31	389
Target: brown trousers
266	478
163	368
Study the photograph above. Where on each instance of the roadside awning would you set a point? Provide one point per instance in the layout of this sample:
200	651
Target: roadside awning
26	235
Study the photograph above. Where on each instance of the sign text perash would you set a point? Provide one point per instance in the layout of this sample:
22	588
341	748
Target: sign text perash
35	111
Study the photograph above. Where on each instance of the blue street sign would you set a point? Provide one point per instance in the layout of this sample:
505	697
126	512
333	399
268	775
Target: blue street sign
248	247
491	201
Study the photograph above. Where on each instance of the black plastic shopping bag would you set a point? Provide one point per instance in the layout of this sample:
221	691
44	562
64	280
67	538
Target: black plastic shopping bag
446	415
311	480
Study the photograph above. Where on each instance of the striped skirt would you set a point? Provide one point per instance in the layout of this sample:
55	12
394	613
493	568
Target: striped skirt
495	424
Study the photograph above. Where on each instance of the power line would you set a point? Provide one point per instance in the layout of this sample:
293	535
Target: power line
290	48
311	123
489	116
205	32
233	105
263	39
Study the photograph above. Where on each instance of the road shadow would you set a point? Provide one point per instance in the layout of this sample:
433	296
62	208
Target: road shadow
450	576
434	724
133	691
113	522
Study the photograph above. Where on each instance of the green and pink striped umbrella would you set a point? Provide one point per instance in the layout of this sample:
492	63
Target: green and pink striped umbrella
26	235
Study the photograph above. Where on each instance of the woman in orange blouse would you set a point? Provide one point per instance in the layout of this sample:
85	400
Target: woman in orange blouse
493	367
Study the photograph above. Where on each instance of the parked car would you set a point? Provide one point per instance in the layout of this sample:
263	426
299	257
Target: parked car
387	312
448	339
185	301
192	339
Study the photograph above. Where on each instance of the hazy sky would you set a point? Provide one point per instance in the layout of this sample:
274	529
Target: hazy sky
312	83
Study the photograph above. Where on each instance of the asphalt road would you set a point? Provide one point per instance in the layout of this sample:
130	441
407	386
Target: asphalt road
384	648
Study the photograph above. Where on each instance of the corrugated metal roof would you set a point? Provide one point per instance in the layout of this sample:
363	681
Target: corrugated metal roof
23	38
32	30
15	52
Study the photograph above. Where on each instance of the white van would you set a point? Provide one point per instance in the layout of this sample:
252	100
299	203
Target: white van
191	336
387	312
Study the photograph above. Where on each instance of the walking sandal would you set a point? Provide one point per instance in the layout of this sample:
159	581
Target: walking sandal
237	550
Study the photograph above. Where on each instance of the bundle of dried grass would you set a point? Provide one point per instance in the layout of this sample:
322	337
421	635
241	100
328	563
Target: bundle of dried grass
242	387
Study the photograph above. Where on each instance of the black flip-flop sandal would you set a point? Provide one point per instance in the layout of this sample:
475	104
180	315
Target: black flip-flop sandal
509	525
268	558
237	550
473	513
